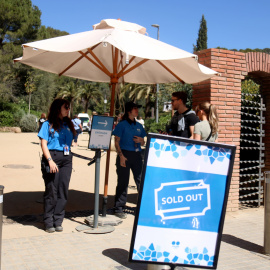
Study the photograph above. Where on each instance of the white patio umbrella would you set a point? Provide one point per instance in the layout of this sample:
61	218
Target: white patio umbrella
115	51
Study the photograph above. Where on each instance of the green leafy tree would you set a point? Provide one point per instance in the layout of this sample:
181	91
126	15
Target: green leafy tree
202	36
47	85
265	50
166	91
12	76
152	126
248	86
49	32
251	90
19	21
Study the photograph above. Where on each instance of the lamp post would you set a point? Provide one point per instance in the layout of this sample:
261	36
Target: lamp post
157	26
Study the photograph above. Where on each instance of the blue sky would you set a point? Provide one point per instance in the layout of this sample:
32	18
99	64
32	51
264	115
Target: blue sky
233	24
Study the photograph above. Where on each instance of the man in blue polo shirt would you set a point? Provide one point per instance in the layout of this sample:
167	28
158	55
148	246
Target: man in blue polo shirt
129	137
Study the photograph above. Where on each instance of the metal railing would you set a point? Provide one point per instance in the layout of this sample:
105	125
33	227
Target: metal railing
251	149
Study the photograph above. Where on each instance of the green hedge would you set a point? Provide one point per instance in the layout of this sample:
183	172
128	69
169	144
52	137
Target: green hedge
152	126
6	119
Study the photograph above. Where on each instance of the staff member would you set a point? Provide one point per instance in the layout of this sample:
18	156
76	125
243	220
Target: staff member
129	137
56	136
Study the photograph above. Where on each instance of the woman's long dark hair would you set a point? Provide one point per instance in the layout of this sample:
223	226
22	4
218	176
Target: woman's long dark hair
53	116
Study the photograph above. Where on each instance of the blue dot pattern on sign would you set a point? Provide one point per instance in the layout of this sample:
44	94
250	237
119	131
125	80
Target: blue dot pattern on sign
181	149
193	255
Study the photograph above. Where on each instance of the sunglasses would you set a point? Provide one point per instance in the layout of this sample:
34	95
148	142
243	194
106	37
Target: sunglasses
67	107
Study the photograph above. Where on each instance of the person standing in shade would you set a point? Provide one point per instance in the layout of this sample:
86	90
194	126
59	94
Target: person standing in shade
56	136
78	128
207	129
183	121
129	137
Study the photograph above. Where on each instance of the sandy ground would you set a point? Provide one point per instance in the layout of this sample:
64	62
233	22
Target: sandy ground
23	187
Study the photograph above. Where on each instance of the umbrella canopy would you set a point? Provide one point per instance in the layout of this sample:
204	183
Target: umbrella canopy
115	50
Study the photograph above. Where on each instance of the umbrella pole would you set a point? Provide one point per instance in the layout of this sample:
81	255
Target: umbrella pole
105	196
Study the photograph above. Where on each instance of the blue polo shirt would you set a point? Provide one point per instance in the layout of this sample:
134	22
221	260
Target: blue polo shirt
126	130
56	140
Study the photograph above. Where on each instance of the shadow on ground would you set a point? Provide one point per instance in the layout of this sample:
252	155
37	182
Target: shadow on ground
121	256
24	207
241	243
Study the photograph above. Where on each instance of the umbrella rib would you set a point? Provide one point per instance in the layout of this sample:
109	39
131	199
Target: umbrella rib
121	74
96	58
120	64
126	65
170	71
71	65
94	63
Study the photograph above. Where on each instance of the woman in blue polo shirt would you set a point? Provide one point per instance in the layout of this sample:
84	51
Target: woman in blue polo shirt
56	136
129	137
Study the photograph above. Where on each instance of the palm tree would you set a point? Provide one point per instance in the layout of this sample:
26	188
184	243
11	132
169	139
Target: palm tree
70	91
134	92
30	87
139	91
90	91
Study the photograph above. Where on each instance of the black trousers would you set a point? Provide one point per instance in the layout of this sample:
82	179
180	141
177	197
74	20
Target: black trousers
133	163
56	188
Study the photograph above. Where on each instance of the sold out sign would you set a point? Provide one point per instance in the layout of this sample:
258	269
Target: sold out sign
182	199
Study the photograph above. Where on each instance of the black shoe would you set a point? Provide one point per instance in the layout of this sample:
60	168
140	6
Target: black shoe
50	230
58	228
121	215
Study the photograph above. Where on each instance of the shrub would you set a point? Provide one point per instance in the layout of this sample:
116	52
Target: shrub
6	119
28	123
18	115
152	126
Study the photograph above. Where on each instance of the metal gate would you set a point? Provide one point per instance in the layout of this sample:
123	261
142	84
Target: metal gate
251	150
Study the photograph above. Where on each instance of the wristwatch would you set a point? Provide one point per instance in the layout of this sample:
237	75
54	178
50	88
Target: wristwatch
49	159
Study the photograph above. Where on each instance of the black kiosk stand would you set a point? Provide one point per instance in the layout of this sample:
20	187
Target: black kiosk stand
101	131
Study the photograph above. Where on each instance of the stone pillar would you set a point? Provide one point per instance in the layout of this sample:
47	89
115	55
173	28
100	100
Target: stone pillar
224	92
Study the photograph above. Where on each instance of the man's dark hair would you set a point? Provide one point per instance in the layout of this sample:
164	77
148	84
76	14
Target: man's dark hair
180	95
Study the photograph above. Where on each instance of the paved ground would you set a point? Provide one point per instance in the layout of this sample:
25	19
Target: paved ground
26	246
